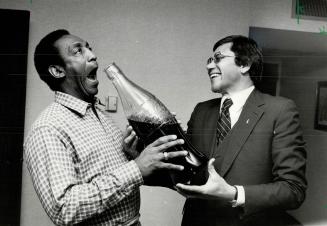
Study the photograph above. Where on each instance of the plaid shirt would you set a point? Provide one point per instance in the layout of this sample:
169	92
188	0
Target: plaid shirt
78	168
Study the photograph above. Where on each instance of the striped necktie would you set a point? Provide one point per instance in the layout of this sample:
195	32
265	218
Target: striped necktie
224	124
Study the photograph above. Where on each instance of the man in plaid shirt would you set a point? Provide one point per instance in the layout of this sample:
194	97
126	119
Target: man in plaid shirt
75	153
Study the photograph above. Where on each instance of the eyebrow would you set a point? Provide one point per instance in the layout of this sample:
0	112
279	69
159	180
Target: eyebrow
79	44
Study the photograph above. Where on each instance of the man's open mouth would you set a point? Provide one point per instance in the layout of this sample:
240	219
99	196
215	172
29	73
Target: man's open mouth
93	74
213	75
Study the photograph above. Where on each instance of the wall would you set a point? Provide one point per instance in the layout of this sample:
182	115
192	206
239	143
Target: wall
299	81
162	45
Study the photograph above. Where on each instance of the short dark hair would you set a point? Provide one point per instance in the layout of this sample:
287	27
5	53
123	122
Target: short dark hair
47	54
247	52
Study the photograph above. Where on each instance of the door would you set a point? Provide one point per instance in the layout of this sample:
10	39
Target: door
13	64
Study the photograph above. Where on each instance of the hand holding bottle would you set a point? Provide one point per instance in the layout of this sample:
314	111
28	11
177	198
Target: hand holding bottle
153	157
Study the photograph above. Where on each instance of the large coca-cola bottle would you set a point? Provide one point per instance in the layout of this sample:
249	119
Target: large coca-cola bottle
150	120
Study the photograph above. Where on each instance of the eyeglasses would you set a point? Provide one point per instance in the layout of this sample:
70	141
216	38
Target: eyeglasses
217	57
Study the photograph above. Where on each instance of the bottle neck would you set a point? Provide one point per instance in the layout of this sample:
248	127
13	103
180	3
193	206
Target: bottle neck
138	103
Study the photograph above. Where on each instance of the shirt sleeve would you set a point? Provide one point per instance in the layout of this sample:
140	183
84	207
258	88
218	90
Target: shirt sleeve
240	201
66	198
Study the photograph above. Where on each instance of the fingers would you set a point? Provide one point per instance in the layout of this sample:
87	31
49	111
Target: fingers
170	166
173	154
169	144
184	193
132	150
189	189
182	127
165	142
130	136
134	144
128	130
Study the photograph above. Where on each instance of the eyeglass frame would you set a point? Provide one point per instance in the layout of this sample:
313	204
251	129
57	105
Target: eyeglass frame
217	57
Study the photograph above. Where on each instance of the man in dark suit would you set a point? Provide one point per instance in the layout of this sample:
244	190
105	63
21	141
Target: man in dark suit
254	141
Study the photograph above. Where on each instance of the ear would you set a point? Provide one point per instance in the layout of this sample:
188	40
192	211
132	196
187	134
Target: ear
245	68
56	71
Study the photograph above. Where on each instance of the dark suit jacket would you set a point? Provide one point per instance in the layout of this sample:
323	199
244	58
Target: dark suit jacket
264	152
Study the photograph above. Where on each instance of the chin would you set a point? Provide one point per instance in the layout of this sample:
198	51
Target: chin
91	94
94	93
215	89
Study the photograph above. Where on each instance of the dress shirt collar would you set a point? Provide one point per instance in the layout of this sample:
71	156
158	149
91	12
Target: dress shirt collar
72	102
239	98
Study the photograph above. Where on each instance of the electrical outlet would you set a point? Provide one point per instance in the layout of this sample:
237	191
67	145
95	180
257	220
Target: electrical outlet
111	103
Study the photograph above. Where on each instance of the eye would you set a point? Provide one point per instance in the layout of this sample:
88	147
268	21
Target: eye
77	50
218	57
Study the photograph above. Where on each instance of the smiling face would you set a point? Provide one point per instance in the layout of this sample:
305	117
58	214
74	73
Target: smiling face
80	67
225	75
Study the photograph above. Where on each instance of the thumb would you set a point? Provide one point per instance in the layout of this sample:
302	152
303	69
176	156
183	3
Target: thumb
211	168
127	131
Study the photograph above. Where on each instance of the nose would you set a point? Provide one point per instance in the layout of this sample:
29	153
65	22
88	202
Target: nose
91	55
210	64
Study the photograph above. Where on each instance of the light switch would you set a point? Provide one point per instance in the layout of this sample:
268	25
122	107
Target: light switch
111	103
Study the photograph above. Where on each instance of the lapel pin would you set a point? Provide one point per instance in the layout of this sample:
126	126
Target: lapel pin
247	121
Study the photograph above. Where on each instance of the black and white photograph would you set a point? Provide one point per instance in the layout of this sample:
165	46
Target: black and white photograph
163	112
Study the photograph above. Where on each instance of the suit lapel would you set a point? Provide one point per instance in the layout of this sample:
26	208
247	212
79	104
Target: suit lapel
251	113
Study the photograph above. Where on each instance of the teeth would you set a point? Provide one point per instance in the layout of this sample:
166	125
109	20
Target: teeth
214	75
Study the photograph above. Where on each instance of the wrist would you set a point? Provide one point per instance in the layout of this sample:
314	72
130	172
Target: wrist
140	166
232	195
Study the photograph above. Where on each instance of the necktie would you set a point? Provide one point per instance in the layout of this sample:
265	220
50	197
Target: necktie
224	124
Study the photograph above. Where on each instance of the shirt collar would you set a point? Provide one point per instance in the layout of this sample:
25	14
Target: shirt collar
73	103
239	98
